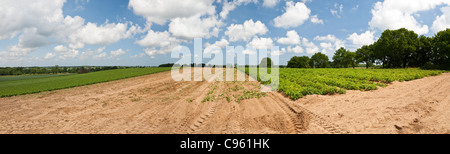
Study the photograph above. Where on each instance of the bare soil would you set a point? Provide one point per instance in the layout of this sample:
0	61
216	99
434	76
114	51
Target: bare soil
418	106
155	104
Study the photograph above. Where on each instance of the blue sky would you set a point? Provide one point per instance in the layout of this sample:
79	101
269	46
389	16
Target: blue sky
144	32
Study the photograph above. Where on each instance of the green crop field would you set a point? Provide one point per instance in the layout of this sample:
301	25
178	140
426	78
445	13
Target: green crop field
297	83
18	85
22	77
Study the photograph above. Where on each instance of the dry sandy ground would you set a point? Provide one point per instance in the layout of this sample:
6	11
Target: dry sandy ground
418	106
157	104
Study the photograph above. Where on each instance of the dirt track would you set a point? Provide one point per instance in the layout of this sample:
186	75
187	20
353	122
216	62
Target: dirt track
157	104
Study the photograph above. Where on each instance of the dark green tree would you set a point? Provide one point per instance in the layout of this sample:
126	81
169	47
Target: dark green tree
381	48
423	52
365	54
338	58
17	71
166	65
395	47
343	58
266	62
55	69
407	43
351	59
441	49
319	60
298	62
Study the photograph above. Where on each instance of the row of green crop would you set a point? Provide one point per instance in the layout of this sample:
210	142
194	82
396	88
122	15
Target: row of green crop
297	83
23	77
34	85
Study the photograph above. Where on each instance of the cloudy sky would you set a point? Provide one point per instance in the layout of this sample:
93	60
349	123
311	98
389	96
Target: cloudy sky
144	32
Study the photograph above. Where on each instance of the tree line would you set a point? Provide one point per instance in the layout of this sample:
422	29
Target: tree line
399	48
54	70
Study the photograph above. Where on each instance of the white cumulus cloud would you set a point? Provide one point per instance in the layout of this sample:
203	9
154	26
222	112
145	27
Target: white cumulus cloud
326	46
195	27
442	22
278	52
158	43
65	52
270	3
249	52
151	52
117	53
311	48
238	32
17	15
221	43
295	15
292	38
395	14
365	38
315	19
330	39
159	11
93	34
38	23
261	43
296	49
49	55
157	39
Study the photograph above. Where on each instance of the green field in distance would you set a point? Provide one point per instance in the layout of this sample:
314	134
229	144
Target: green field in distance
27	84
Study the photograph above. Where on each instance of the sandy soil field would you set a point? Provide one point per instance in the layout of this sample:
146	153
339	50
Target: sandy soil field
155	104
418	106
